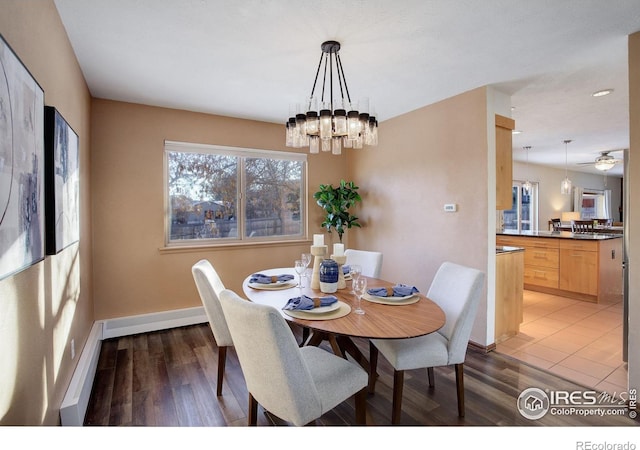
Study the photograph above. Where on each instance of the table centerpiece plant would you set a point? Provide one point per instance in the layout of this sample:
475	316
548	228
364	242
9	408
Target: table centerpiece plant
336	202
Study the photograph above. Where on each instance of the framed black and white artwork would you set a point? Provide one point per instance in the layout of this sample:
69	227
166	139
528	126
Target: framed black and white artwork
21	165
62	177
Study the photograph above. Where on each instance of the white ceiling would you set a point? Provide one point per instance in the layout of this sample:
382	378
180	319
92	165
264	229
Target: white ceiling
253	58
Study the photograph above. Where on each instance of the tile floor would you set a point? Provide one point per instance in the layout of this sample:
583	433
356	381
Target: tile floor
576	340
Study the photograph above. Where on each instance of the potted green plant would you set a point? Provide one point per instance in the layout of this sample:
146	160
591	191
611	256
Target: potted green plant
336	202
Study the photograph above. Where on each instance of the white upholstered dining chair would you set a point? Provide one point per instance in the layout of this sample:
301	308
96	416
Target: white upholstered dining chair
296	384
209	287
371	262
457	290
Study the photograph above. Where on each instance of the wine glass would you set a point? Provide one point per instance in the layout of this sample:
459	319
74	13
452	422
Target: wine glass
306	258
355	270
359	287
300	267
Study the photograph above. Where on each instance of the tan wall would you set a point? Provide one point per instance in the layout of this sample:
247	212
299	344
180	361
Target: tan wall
44	306
132	275
426	158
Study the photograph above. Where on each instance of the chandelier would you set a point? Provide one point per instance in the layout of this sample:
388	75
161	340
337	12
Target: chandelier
333	122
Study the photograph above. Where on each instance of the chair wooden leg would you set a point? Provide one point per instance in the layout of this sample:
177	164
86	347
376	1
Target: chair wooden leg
222	360
398	384
361	406
373	367
432	377
460	388
252	413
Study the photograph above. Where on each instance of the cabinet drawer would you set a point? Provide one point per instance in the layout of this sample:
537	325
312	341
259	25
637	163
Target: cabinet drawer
509	241
577	244
542	242
541	276
534	256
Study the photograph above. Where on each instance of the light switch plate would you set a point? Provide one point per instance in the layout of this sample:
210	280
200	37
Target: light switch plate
450	207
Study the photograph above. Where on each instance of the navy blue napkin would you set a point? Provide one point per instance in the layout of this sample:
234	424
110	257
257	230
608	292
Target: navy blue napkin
399	290
268	279
305	303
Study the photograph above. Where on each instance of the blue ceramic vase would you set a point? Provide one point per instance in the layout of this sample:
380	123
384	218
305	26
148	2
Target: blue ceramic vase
329	276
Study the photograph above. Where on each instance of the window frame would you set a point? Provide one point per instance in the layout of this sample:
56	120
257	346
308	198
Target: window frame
534	208
242	154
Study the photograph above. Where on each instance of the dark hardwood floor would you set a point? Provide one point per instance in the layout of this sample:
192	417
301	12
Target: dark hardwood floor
168	378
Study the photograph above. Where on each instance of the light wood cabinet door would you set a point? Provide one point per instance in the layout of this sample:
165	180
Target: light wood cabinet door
579	271
504	162
509	292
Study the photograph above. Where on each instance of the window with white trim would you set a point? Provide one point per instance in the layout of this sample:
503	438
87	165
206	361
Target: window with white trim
218	194
523	215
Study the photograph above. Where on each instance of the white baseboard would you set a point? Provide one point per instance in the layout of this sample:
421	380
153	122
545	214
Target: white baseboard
76	400
74	404
144	323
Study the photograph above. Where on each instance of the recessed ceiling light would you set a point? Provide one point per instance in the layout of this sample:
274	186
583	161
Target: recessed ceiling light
602	92
516	132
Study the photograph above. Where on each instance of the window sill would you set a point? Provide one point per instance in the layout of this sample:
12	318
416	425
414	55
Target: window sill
231	246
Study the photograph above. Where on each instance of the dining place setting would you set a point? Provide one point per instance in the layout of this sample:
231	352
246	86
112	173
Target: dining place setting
331	289
330	296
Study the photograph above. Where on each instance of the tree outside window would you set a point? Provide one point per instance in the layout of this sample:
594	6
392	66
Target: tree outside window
227	194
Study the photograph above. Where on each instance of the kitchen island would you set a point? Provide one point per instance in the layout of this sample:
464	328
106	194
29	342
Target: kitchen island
583	266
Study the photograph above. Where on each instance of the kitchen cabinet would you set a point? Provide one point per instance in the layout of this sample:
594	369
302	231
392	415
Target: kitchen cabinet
579	267
575	266
509	292
541	259
504	162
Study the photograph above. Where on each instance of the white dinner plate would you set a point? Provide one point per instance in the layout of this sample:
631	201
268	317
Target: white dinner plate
322	309
408	300
274	286
391	298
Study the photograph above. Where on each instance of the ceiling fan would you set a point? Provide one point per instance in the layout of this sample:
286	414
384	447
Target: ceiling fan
605	161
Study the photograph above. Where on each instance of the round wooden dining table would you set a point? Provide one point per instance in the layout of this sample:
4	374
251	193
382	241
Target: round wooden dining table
381	321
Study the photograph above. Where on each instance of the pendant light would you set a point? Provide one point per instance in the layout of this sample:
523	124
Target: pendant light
565	186
527	184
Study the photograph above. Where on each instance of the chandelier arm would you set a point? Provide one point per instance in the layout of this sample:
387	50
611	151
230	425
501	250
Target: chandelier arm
313	89
324	78
341	71
331	82
340	82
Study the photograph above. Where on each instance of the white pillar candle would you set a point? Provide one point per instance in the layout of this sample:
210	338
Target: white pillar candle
338	249
318	239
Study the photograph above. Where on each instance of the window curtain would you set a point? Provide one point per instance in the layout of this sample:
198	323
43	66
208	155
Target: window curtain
607	204
577	199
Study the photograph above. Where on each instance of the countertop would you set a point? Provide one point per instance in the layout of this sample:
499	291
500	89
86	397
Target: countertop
561	234
506	249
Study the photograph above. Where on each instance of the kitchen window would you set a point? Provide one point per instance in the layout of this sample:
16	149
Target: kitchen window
523	215
223	195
